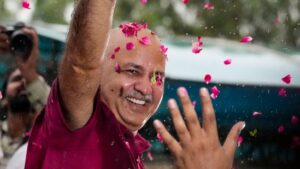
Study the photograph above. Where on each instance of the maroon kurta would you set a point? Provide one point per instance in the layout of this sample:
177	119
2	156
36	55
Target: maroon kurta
102	143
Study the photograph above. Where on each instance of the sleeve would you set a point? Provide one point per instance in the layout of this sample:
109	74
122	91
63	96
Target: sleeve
38	92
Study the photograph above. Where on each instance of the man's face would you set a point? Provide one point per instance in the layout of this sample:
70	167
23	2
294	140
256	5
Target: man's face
134	93
15	84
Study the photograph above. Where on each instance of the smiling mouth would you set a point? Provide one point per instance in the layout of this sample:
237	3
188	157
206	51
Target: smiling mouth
136	101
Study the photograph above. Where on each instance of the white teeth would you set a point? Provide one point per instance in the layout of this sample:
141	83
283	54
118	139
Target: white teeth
136	101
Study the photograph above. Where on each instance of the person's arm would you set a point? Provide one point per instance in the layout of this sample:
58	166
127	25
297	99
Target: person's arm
80	69
198	146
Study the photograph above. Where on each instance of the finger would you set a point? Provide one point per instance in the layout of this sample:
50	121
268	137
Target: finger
231	140
168	139
179	124
189	112
208	114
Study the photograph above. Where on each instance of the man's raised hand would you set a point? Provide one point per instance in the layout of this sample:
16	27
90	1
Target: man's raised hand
198	146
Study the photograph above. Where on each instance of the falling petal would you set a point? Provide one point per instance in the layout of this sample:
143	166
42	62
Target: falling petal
194	103
281	129
159	137
118	68
130	46
197	47
26	4
282	92
143	2
149	155
145	40
207	78
240	140
131	29
287	79
253	133
117	49
246	39
1	96
215	92
208	6
185	1
227	61
294	120
256	114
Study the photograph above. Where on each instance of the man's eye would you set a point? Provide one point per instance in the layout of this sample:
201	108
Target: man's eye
132	71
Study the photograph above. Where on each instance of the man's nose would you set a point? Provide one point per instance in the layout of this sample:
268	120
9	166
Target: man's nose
144	86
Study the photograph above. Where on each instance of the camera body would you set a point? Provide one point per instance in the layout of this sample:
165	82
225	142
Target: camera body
20	43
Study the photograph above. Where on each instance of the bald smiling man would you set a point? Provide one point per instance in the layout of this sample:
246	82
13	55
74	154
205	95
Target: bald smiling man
110	82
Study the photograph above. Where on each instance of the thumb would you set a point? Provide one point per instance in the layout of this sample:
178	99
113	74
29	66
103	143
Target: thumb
231	140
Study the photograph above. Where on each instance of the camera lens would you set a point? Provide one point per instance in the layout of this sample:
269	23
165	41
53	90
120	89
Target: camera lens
21	44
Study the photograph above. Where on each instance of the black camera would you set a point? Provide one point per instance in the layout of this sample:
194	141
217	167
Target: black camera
20	43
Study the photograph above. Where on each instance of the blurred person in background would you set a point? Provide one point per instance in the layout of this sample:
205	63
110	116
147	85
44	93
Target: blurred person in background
24	94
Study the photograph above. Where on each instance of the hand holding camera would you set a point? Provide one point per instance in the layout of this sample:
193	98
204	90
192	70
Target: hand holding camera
21	42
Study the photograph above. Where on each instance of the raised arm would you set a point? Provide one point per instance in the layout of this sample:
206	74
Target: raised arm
79	74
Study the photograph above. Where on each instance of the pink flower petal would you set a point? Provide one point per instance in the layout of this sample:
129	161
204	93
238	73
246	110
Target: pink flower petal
227	61
163	49
256	114
143	2
145	40
281	129
240	140
208	6
287	79
131	29
149	155
207	78
117	49
194	103
159	137
112	56
294	120
26	4
197	47
215	92
118	68
1	96
130	46
185	1
246	39
282	92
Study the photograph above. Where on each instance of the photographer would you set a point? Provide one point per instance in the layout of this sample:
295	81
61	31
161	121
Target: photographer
24	92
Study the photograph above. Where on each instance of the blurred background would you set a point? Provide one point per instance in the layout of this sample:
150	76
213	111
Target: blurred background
251	83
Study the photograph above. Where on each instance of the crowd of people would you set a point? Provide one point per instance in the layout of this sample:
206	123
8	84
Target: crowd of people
109	83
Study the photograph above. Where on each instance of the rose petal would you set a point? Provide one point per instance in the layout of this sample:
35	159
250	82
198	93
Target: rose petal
215	92
207	78
294	120
208	6
112	56
1	96
196	47
143	2
240	140
256	114
117	68
246	39
149	155
131	29
130	46
282	92
287	79
185	1
159	137
26	4
227	61
194	103
281	129
145	40
117	49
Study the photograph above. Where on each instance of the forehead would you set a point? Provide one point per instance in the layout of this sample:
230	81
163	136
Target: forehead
148	56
